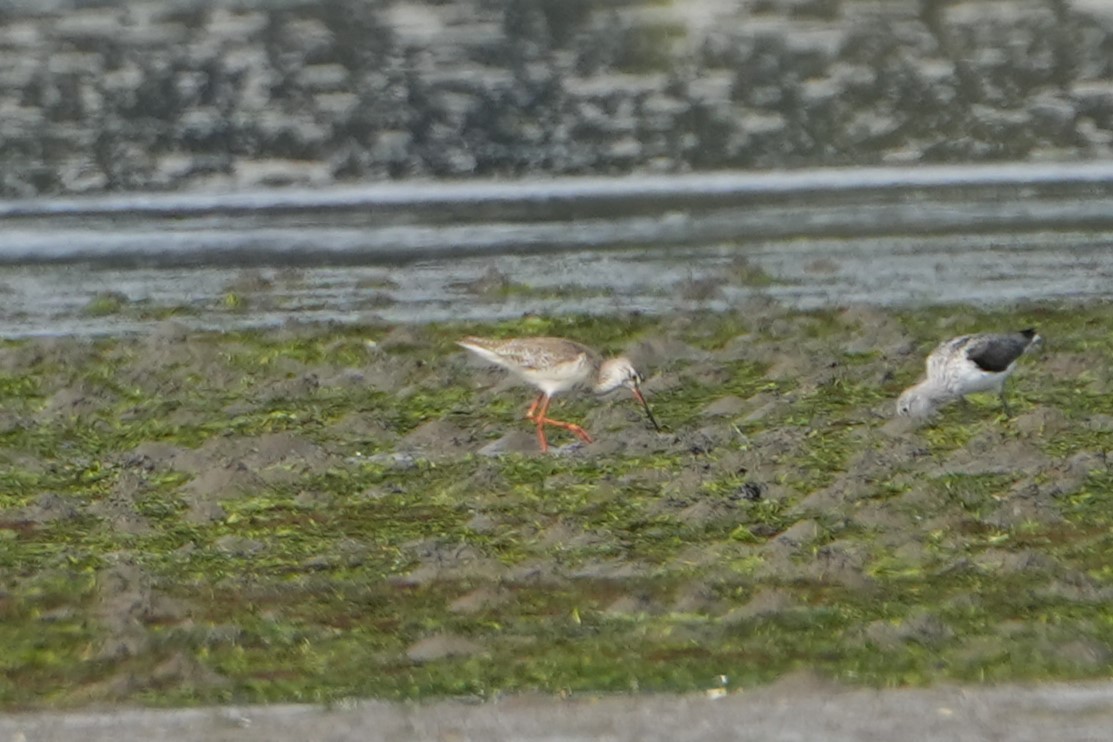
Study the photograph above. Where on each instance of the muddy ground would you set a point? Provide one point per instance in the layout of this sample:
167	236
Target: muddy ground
319	514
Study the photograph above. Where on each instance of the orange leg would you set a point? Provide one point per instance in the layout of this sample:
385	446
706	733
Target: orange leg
542	401
542	421
541	436
533	407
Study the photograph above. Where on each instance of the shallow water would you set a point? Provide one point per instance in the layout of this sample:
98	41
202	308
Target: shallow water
487	250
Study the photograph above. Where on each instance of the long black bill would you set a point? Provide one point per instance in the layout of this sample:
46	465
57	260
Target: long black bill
645	405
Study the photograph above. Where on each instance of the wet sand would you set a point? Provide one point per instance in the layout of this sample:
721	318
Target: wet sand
798	709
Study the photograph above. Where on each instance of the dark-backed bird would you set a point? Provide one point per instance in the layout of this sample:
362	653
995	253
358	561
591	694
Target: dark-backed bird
966	364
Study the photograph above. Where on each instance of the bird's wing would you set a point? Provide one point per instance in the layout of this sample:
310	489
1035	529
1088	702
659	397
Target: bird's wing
526	354
543	353
996	352
937	360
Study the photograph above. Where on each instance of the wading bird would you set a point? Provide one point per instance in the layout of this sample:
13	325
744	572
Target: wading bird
555	365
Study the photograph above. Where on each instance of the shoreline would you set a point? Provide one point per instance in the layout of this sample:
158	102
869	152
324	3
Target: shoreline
797	708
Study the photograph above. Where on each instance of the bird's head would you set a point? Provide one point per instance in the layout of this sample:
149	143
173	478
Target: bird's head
917	401
617	372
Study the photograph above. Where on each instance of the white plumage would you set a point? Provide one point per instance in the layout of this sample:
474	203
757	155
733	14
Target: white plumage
964	365
555	365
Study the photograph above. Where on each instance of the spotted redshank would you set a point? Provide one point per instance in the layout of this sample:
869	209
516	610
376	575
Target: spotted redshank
971	363
554	365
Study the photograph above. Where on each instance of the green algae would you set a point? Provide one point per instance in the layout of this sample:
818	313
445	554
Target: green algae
594	573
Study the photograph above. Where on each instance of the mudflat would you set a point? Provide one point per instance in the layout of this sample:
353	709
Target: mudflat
319	514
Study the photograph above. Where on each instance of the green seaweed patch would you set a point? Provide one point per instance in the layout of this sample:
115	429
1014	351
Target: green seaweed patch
256	350
106	303
1089	505
974	494
15	389
713	331
683	406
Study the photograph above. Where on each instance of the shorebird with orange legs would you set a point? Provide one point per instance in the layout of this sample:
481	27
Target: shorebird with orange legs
555	365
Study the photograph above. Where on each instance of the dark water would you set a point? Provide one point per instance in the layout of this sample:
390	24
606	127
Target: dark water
195	95
496	249
241	164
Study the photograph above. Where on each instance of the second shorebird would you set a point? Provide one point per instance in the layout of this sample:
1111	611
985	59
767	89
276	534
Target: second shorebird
554	365
966	364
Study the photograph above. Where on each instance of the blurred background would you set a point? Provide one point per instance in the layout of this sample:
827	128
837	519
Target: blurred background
258	145
111	96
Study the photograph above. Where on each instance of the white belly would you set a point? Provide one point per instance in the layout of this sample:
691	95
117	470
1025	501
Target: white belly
967	378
